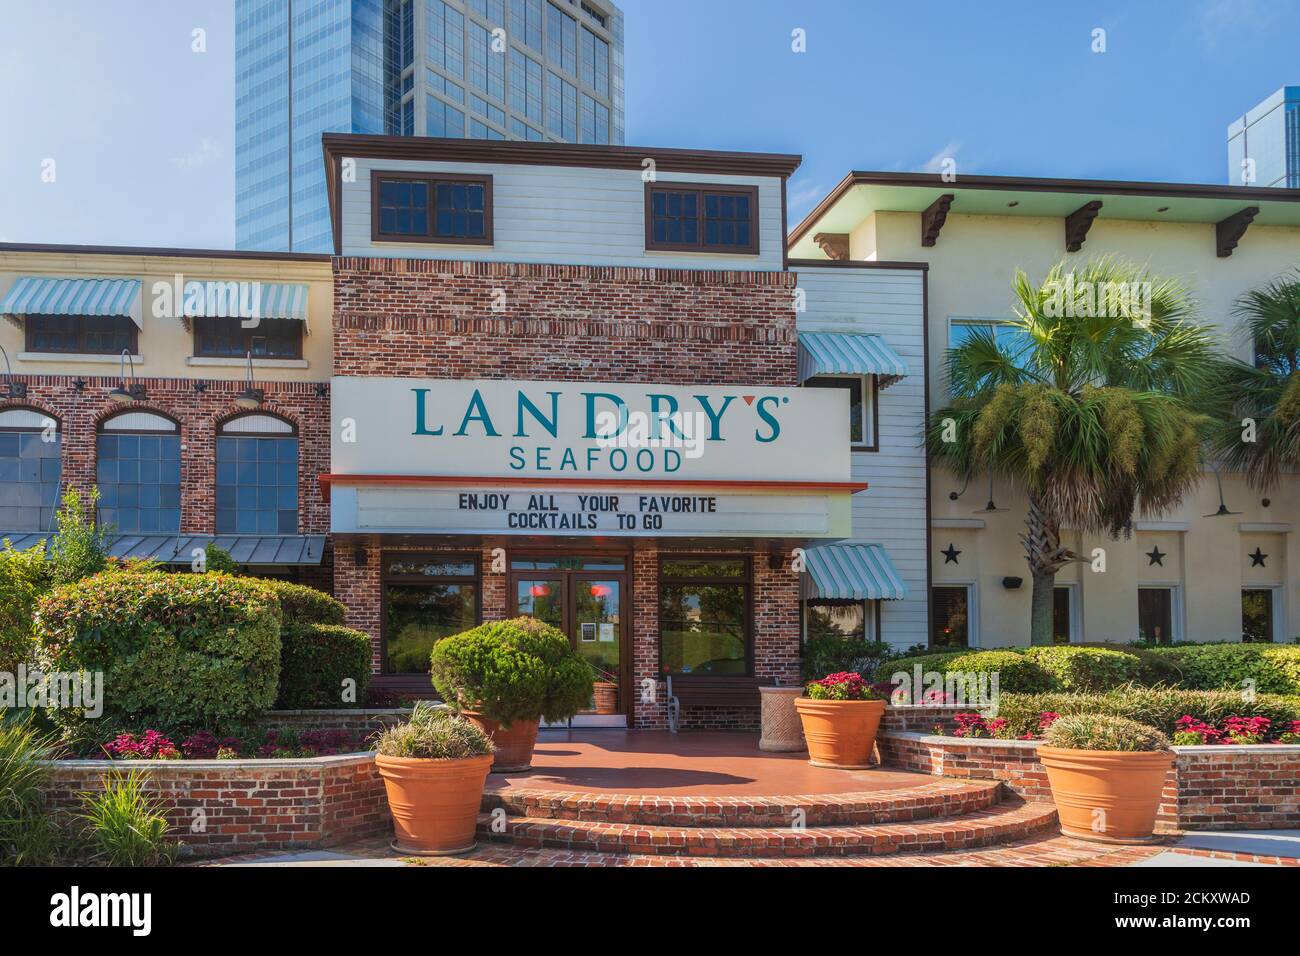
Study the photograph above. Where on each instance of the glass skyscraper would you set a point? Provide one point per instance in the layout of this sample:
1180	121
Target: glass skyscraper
1269	134
542	70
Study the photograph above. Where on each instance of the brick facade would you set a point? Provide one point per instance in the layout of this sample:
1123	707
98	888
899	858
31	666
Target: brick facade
80	411
444	319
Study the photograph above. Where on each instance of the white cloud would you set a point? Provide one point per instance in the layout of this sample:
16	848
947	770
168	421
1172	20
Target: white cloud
935	164
206	152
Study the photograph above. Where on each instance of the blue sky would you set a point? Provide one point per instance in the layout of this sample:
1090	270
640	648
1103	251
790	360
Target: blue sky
141	129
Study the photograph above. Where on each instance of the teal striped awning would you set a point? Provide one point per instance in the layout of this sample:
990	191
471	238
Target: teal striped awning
839	353
284	301
43	295
853	572
222	299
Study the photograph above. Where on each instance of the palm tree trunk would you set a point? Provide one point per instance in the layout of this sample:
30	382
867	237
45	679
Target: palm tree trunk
1043	551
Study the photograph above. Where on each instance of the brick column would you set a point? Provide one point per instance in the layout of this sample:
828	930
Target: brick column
359	587
776	619
645	639
494	600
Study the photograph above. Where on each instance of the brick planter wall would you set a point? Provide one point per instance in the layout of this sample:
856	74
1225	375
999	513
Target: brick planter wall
358	721
221	807
1219	788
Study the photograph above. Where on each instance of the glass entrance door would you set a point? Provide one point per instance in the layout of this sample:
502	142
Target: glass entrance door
584	598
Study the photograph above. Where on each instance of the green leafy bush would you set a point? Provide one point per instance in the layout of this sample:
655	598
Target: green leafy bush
1016	672
1154	706
78	549
1275	668
937	661
1085	669
125	826
300	604
832	654
1154	670
316	659
434	733
24	577
177	651
520	669
218	560
1104	732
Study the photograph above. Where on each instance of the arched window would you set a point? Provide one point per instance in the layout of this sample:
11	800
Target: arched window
257	476
139	474
30	467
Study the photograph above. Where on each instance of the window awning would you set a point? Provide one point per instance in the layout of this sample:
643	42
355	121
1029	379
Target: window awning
853	572
840	353
254	550
42	295
283	301
226	299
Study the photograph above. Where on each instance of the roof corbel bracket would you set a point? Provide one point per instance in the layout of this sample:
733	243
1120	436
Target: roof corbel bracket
834	244
1078	223
1229	232
932	219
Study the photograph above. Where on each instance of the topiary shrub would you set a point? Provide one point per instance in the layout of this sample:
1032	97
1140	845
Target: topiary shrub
521	669
1017	674
832	654
315	662
1085	669
177	651
1104	732
1158	707
1275	668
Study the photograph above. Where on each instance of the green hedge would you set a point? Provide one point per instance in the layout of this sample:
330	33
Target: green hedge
828	654
177	651
24	577
315	662
1085	669
1275	668
1156	706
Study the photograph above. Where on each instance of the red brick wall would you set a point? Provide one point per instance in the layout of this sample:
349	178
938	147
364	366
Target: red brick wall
218	808
408	317
79	414
1224	788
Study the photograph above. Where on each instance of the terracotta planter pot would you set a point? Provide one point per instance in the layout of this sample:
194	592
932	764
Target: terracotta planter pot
840	733
1104	795
606	695
434	803
514	746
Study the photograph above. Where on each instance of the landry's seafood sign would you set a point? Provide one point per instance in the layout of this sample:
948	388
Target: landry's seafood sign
607	458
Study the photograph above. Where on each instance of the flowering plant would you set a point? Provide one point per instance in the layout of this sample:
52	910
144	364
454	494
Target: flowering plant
204	745
976	725
1191	732
842	686
150	746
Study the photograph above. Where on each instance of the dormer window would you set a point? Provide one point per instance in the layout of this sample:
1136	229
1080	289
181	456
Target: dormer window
431	208
690	218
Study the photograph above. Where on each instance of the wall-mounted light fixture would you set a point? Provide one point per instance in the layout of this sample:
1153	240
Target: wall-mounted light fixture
1012	583
250	397
13	388
131	391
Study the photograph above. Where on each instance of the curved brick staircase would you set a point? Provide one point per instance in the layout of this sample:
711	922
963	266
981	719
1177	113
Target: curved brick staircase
934	815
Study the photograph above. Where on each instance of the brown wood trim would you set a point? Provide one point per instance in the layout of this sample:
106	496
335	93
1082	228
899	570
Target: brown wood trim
438	149
201	352
1096	187
875	416
934	217
834	244
162	251
432	179
857	264
925	419
476	579
1078	223
785	229
133	332
1228	232
701	188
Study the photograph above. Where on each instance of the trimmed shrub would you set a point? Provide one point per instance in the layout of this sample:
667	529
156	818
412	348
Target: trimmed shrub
300	604
1085	669
929	662
1154	670
177	651
1017	674
520	669
1104	732
315	660
1155	706
24	577
1275	668
830	654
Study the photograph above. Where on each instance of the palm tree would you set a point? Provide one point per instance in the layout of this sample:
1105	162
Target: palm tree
1084	402
1266	393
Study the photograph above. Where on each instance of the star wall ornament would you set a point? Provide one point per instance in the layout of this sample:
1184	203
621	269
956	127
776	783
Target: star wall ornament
1257	559
1156	556
950	554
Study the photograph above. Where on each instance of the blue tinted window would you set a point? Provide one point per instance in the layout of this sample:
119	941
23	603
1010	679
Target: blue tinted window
257	485
139	479
30	467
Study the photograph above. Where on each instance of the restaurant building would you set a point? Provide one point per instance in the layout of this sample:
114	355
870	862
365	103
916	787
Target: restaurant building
1224	565
586	384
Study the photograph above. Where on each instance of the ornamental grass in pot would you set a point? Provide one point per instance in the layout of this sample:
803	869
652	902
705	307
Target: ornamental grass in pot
434	767
1107	776
840	715
506	677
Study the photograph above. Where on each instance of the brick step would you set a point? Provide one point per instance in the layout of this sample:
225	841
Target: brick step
1002	824
924	802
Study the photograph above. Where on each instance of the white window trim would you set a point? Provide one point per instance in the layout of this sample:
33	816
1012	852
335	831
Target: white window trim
1076	612
1278	592
869	617
215	362
867	385
1175	605
96	358
972	613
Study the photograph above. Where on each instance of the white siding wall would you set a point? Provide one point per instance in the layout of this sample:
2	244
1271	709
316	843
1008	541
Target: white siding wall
891	512
563	215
